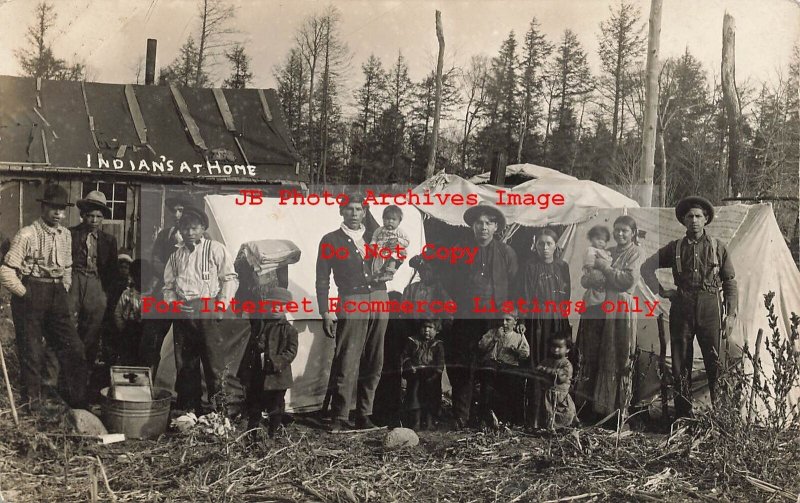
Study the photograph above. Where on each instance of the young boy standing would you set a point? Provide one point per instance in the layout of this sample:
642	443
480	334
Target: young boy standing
199	268
422	364
273	349
502	350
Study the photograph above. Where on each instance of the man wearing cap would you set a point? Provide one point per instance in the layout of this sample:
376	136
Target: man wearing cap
701	267
358	358
200	268
37	270
94	270
487	278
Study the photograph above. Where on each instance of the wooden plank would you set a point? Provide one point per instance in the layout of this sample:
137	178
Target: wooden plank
38	84
191	125
41	117
224	109
264	105
88	114
241	149
121	151
136	114
44	145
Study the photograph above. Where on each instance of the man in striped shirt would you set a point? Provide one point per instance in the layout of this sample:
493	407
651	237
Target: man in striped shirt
37	270
199	269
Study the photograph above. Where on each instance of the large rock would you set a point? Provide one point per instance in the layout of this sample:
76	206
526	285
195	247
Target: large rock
86	423
400	438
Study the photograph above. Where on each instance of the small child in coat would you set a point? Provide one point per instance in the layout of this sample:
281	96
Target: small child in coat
128	320
557	404
273	347
389	236
422	364
501	352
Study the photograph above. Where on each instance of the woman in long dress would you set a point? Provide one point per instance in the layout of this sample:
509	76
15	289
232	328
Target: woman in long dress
613	383
545	278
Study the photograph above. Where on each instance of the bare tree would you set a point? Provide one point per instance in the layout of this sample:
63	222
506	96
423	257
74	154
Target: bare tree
474	83
215	16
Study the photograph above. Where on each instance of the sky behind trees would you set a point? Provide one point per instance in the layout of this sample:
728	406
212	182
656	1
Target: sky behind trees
109	36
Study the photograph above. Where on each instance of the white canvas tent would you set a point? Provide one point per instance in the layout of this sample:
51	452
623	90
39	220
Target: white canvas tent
235	225
751	234
754	241
529	171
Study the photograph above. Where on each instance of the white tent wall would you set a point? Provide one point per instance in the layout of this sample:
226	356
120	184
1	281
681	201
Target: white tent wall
762	261
234	225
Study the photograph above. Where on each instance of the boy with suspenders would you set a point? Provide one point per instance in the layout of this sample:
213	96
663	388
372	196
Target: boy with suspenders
701	267
198	269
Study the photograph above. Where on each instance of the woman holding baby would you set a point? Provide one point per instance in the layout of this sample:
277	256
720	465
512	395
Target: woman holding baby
607	342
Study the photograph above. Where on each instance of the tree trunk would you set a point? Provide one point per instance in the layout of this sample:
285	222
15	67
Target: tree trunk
662	200
731	100
202	48
439	64
647	162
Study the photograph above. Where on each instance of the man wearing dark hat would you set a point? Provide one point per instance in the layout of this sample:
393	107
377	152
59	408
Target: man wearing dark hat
154	329
487	278
94	270
200	268
169	237
358	359
37	270
701	267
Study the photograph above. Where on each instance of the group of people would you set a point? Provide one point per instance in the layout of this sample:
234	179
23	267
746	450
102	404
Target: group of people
69	286
523	364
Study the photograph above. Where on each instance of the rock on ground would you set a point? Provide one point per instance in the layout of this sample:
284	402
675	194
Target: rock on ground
400	438
86	423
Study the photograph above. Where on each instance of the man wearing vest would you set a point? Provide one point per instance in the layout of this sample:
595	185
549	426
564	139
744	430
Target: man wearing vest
701	267
358	358
37	270
200	268
94	270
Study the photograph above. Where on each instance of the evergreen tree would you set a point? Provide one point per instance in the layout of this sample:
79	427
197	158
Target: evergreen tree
38	60
536	50
622	44
241	75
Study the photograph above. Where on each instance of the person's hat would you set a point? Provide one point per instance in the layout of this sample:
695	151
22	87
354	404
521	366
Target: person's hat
475	212
95	200
687	203
124	257
174	201
417	262
55	195
191	210
278	294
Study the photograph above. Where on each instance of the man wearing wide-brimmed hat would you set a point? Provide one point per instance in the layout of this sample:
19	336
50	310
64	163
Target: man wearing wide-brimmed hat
37	270
94	269
701	268
488	278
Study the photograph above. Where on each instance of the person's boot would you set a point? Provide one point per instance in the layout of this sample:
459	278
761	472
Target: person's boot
364	423
336	426
415	415
274	423
428	420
